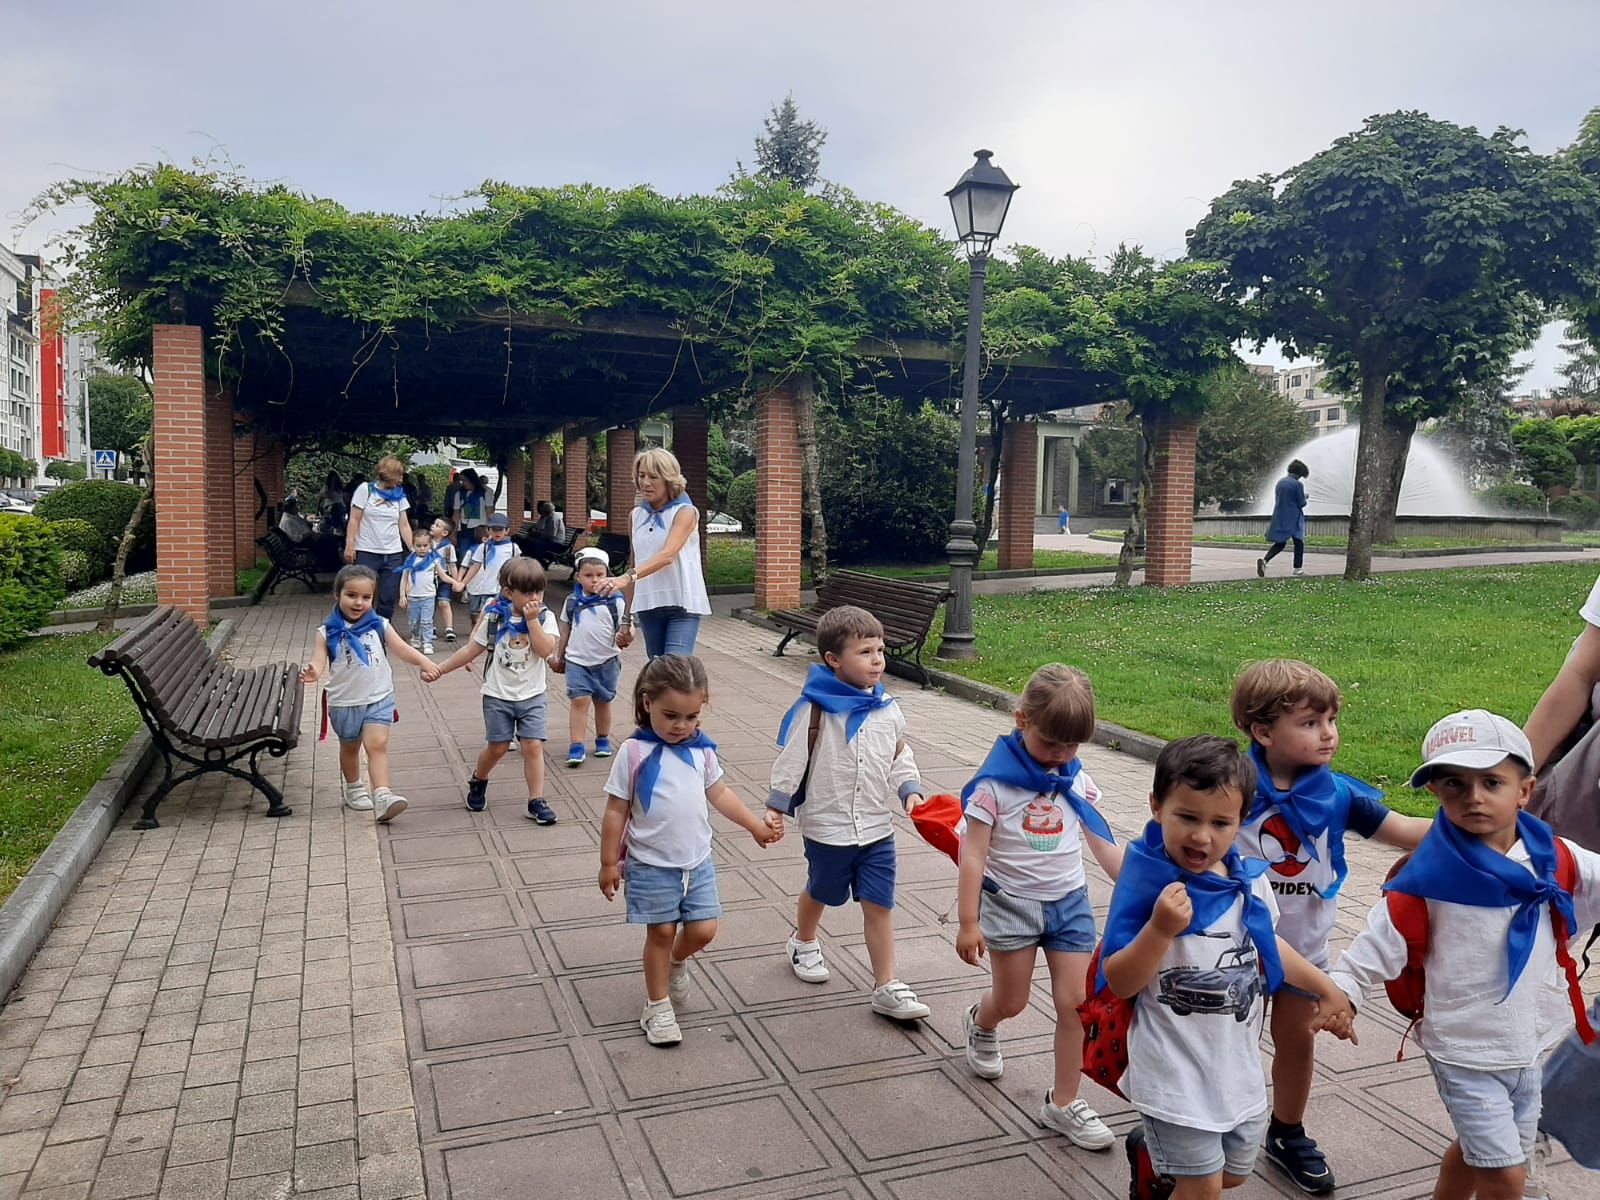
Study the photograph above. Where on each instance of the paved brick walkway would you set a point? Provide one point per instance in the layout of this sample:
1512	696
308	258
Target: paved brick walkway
234	1006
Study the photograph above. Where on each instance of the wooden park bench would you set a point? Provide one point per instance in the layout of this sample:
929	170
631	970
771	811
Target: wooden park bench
289	561
617	547
203	714
904	607
526	539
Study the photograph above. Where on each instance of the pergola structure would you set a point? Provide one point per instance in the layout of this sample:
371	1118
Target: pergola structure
512	379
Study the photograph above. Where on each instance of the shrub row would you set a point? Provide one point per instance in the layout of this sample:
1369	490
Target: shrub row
30	576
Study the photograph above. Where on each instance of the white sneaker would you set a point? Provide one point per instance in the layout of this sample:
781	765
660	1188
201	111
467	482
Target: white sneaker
660	1023
427	647
389	805
356	796
806	959
983	1047
1078	1121
1535	1185
1298	572
678	984
894	999
416	641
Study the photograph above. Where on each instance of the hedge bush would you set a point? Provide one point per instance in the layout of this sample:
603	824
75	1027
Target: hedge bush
75	535
1511	497
107	505
30	576
741	505
1579	512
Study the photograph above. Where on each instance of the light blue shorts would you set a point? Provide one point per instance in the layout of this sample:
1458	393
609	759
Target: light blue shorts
599	682
349	720
667	895
1496	1113
1017	923
1179	1150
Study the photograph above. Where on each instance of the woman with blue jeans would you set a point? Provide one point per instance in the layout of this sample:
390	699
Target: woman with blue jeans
665	584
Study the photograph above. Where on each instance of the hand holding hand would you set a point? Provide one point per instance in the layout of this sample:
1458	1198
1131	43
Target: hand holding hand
430	672
765	834
624	637
774	820
610	880
1336	1015
1174	910
970	944
558	664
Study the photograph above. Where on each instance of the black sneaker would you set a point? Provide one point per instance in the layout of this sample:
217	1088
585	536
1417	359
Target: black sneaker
477	794
1297	1156
449	635
541	812
1143	1182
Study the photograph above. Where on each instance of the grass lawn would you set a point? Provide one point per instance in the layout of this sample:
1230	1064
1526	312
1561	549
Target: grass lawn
1585	537
732	561
64	723
248	579
1405	648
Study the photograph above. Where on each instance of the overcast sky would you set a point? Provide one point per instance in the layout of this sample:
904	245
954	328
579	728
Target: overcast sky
1121	120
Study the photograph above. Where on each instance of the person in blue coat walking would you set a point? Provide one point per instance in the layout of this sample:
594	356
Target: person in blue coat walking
1288	518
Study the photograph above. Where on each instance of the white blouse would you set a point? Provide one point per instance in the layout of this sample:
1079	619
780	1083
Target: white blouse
681	582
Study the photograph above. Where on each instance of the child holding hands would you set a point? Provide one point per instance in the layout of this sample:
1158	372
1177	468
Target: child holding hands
594	631
662	783
419	586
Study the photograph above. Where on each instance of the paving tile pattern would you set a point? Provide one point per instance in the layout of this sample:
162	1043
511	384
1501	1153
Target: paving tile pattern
233	1006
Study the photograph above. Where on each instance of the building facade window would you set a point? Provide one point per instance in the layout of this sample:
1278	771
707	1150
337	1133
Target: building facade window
1333	414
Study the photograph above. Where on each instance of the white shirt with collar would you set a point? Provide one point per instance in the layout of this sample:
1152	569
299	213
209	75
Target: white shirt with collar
852	786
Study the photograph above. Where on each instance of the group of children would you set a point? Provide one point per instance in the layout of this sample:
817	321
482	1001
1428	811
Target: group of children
1227	897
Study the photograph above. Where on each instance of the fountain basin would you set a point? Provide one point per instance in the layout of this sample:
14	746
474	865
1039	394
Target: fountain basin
1519	528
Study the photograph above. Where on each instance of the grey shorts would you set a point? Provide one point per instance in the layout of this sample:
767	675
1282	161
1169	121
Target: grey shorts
1016	923
507	719
1179	1150
1496	1113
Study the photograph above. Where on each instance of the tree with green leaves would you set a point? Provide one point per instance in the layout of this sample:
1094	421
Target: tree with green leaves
120	411
1246	428
1476	433
790	148
719	468
1542	454
65	471
1411	257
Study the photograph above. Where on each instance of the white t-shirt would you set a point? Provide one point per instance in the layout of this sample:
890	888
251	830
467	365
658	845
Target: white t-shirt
380	521
1590	611
353	684
1036	848
514	671
424	585
681	582
493	556
1194	1057
593	640
676	832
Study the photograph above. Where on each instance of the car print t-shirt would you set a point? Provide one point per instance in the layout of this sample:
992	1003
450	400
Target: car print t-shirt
1193	1052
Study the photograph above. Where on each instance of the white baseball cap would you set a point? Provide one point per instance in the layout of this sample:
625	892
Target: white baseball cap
1473	738
591	554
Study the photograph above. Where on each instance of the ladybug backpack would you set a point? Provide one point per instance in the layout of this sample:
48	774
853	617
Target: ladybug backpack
1409	914
1106	1018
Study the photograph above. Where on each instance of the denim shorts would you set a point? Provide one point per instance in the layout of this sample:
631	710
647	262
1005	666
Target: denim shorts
1017	923
667	895
348	720
507	719
599	682
1179	1150
447	592
835	873
1496	1113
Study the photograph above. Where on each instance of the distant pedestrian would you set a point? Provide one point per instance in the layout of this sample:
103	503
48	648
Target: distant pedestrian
379	535
1064	519
1288	518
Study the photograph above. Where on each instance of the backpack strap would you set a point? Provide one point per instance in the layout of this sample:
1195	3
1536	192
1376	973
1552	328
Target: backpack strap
1567	880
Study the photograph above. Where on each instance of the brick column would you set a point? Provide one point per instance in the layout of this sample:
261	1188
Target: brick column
1169	532
219	491
1019	467
778	484
620	487
690	428
575	469
542	474
245	525
514	492
179	427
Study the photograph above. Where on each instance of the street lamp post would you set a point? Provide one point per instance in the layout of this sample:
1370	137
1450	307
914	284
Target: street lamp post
979	201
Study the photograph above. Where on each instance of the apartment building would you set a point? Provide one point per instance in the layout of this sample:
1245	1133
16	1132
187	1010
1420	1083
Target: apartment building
1307	386
19	412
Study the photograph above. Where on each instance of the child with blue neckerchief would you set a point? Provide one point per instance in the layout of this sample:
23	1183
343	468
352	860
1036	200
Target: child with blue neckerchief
595	629
1023	887
481	565
353	648
419	586
1298	820
519	634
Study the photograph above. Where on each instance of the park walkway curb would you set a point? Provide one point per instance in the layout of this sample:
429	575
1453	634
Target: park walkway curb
29	912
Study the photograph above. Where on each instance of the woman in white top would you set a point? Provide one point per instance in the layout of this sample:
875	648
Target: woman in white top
665	584
379	535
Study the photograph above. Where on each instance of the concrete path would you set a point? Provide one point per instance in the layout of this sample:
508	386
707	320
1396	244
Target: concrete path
233	1006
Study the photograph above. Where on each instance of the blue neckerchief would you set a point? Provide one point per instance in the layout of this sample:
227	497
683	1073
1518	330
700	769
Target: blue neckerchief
489	553
1009	762
1453	866
644	784
654	514
507	618
1317	802
418	566
582	600
394	495
1146	870
339	632
832	695
471	506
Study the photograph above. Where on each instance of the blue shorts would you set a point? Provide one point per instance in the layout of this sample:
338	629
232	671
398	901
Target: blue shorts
836	873
348	720
447	592
1496	1113
507	719
1179	1150
1017	923
599	682
668	895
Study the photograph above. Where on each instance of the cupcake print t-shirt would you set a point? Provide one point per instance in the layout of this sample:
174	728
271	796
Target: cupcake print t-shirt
1035	849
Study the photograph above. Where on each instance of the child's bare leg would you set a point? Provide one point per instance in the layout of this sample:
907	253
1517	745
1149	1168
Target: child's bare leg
375	740
1201	1187
578	718
488	757
878	924
1233	1181
1067	971
1010	980
1458	1181
1293	1055
808	917
449	618
602	719
533	768
693	937
350	761
658	941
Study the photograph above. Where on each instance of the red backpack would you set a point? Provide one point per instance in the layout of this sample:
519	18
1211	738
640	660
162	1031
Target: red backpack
1105	1017
1409	915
